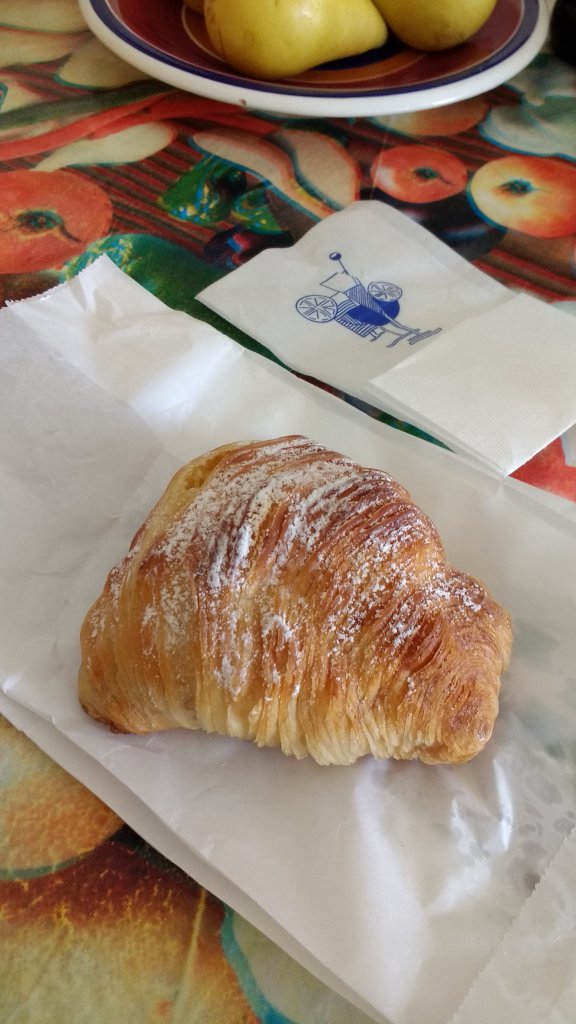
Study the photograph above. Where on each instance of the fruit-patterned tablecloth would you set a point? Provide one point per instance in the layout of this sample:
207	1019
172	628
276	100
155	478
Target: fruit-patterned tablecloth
178	190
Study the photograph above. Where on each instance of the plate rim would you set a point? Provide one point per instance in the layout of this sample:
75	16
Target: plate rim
270	99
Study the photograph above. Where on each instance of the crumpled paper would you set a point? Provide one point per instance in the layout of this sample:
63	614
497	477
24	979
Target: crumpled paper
395	883
372	303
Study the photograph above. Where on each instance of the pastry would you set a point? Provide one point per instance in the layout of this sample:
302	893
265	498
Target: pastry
280	592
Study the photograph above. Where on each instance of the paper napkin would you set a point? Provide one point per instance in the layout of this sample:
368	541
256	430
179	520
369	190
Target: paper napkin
371	303
396	884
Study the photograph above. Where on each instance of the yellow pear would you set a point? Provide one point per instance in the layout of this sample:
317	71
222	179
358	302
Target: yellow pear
279	38
435	24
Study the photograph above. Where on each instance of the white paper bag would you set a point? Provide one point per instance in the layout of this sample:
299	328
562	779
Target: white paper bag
393	882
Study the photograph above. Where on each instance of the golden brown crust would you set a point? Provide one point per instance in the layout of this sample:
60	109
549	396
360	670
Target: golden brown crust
282	593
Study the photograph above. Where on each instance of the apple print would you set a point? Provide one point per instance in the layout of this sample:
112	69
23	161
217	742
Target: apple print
119	935
47	818
532	194
447	120
419	174
46	217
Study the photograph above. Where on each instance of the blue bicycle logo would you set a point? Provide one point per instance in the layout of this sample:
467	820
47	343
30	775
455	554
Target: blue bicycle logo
367	311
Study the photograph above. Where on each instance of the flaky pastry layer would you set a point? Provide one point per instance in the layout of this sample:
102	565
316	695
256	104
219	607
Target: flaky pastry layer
280	592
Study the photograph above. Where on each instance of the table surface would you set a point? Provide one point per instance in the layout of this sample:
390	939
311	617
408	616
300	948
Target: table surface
178	190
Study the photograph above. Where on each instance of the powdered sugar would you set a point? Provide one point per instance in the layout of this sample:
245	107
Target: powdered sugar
278	623
268	511
148	614
287	596
227	515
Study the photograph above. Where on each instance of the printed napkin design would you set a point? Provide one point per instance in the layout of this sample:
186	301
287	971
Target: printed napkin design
368	310
371	303
351	299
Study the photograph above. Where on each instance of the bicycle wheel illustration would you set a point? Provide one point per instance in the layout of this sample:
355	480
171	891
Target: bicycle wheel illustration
384	291
318	308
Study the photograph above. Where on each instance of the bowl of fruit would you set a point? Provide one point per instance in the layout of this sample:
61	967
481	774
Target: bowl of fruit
325	58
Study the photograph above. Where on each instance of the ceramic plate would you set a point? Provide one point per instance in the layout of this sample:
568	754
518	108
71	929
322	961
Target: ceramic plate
168	41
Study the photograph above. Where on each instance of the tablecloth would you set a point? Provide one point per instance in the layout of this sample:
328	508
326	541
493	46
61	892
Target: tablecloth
177	190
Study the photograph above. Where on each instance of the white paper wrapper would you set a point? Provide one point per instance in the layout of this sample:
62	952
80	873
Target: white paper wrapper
372	303
396	883
532	976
